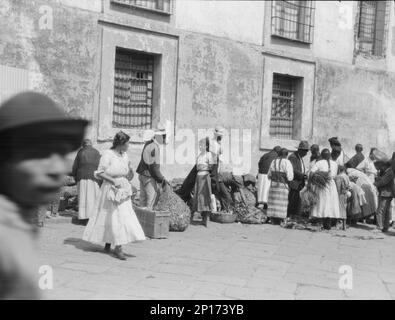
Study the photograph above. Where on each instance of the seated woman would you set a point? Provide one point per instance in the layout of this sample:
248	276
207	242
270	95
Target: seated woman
327	205
202	192
280	173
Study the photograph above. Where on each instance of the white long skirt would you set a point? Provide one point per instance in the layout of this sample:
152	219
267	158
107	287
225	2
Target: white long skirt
113	223
88	195
263	188
328	203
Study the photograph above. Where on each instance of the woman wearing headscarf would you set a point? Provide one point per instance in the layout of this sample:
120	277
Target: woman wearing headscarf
280	174
115	221
368	207
327	205
367	166
84	166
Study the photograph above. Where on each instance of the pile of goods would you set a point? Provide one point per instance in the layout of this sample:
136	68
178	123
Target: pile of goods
318	181
180	213
244	206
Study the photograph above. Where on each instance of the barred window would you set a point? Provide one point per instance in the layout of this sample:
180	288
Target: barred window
283	104
372	27
133	90
155	5
293	20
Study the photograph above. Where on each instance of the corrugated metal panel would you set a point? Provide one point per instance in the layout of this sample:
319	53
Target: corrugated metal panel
12	81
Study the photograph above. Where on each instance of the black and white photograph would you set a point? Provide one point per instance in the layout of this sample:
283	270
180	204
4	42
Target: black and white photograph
209	152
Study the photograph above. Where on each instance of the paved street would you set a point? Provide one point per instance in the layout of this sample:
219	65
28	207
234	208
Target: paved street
224	261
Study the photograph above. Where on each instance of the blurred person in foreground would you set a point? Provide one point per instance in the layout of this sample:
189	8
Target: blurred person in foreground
85	164
35	137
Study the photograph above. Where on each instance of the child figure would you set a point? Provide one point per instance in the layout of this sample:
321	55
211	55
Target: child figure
343	189
202	192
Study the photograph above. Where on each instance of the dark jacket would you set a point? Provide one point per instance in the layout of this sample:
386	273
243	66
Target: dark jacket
85	164
299	171
149	165
265	161
385	183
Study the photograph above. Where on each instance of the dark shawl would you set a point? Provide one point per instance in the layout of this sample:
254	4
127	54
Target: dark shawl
265	161
85	164
355	161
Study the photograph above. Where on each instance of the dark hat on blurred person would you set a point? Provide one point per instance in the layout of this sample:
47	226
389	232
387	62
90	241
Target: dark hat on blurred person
35	115
303	145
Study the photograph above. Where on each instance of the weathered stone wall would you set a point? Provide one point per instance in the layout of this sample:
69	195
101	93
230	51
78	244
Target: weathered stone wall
62	61
356	105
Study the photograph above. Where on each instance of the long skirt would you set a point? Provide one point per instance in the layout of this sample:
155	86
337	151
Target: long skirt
263	188
371	197
327	205
113	223
202	194
88	194
277	202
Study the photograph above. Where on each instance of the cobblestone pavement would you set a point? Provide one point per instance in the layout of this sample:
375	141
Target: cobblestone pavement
224	261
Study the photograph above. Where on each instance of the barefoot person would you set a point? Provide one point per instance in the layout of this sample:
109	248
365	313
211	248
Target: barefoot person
35	137
114	221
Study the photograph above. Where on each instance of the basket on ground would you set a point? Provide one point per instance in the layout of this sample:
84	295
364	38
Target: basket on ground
223	217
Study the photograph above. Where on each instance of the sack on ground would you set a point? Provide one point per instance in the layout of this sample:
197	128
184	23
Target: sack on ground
180	213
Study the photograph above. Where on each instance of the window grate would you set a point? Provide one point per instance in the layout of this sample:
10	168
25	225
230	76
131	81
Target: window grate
282	111
372	26
293	20
156	5
133	90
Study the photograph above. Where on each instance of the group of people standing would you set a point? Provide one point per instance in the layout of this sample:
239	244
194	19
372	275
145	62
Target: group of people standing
333	186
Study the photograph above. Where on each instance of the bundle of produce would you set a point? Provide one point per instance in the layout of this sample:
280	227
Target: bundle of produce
250	197
319	179
176	183
180	213
247	213
309	197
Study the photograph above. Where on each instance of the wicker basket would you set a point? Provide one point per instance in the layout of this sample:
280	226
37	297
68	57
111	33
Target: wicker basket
223	217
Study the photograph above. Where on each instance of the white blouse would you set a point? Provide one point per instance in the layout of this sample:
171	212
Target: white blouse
285	166
322	165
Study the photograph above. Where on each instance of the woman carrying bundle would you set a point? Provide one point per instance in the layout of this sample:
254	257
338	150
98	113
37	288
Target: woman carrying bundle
280	173
322	176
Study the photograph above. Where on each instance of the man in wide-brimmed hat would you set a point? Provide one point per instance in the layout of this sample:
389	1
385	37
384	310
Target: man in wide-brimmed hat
298	183
35	137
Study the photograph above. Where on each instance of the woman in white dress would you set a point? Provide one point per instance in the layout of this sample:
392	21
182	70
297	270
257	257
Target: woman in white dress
327	206
114	221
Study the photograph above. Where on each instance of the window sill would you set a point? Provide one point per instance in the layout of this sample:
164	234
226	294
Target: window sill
132	6
292	39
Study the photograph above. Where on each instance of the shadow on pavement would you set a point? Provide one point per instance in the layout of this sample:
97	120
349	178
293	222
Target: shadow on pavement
84	245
